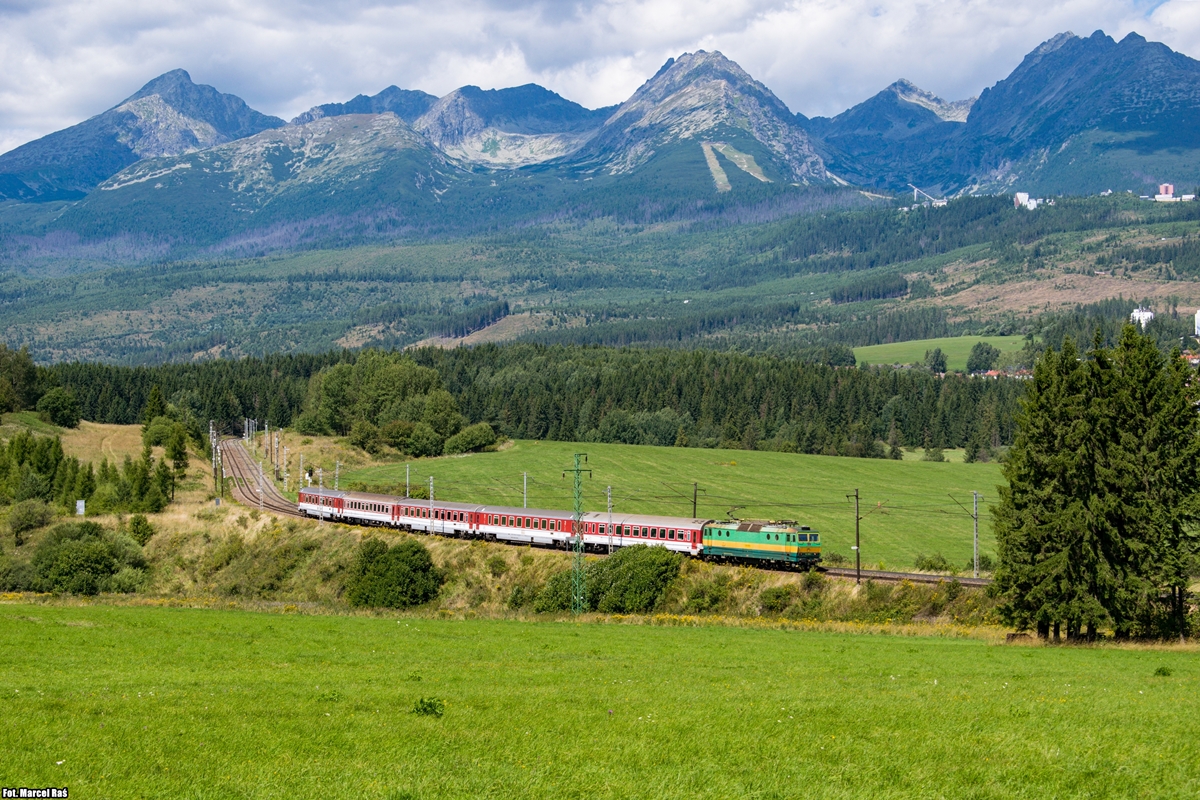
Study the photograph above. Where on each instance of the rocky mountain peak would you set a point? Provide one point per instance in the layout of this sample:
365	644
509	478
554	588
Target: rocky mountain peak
698	95
947	110
407	104
168	116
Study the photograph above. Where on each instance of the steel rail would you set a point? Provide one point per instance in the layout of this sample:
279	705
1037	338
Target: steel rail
914	577
245	481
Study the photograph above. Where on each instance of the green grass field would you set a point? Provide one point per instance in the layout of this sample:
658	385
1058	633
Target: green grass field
908	506
956	348
182	703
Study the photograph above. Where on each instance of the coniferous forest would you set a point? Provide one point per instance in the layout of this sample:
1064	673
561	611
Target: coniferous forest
637	396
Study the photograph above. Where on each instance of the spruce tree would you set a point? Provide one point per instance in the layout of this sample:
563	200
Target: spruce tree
177	451
1097	518
155	407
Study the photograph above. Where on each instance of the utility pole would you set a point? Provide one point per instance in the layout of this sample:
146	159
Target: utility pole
406	494
337	471
578	586
608	492
260	485
321	489
975	515
695	491
524	490
302	475
221	466
431	510
212	445
285	468
857	551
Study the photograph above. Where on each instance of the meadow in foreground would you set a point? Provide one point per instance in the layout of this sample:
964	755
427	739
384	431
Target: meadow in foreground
158	702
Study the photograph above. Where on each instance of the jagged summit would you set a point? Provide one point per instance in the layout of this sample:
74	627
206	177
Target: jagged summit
508	127
947	110
407	104
700	95
170	115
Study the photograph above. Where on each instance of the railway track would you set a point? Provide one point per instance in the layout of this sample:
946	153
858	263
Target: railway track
896	577
244	471
245	490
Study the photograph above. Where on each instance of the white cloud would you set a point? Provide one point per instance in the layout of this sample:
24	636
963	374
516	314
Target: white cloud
65	60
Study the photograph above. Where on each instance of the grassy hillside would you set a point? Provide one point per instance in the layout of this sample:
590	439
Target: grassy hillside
909	506
956	348
180	702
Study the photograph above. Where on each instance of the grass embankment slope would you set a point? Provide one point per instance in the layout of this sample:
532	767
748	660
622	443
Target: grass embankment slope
956	348
156	702
908	506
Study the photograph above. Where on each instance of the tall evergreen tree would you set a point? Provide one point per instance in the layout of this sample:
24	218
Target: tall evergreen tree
155	406
176	450
1103	492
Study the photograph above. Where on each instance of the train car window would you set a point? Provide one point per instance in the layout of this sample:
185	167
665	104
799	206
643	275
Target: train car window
671	534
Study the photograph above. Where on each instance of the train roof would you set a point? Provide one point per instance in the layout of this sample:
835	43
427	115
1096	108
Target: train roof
754	525
323	492
527	512
645	519
420	502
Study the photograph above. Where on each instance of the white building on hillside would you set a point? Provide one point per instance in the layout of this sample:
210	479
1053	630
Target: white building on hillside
1198	323
1141	316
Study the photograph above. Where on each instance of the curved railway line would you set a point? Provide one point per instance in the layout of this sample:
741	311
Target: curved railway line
244	472
246	490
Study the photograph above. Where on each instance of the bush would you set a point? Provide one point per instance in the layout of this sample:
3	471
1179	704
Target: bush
934	563
814	582
986	564
424	441
26	516
522	595
140	529
835	558
708	596
777	599
555	595
365	435
158	431
399	577
16	576
497	566
470	439
396	434
60	406
631	580
81	558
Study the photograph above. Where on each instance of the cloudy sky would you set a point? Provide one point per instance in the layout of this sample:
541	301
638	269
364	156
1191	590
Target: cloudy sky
65	60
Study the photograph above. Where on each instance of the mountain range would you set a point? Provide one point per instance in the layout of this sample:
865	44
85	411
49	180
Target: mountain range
179	161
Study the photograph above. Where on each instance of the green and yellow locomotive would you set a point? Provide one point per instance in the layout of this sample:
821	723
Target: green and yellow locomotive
755	542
